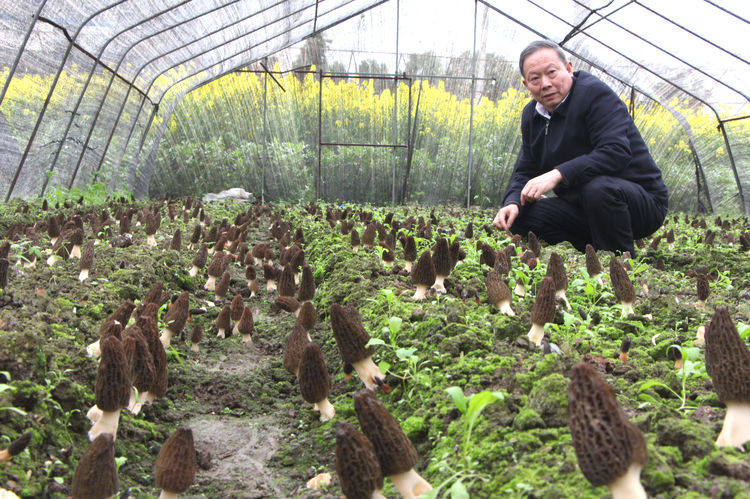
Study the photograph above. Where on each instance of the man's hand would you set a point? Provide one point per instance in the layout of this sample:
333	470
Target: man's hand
506	216
538	186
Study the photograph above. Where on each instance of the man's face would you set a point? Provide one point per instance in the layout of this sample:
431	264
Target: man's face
547	77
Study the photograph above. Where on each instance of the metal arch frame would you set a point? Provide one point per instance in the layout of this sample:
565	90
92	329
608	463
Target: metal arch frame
237	67
132	84
21	50
637	64
51	91
86	87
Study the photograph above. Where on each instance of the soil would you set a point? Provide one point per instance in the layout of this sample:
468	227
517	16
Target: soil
256	437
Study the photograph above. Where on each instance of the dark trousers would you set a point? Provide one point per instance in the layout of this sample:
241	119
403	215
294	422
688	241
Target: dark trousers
607	212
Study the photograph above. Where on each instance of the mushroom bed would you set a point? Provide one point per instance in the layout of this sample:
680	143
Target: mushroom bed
485	408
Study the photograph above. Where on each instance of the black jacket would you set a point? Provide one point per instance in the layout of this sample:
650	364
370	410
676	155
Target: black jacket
589	134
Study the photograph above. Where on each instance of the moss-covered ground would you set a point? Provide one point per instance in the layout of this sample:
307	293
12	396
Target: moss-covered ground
256	437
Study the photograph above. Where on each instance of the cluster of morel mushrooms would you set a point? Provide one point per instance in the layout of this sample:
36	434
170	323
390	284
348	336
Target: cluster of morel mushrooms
133	361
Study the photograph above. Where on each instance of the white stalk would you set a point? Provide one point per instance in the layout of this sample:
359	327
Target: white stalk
210	283
75	251
94	414
193	271
150	240
376	494
519	290
83	275
536	333
270	285
627	308
107	424
560	295
246	338
355	248
326	409
410	484
52	241
31	264
505	308
221	334
253	286
165	494
420	292
407	266
736	428
439	287
93	350
368	371
52	260
194	347
628	486
166	337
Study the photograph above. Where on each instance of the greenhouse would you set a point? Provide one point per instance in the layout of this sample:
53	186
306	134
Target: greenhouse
270	249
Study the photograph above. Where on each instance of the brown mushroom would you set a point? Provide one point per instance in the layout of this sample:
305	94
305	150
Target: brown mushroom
610	449
4	266
357	465
702	289
410	252
199	260
293	348
286	285
222	286
593	265
396	454
368	237
245	326
112	387
314	381
215	270
423	275
306	285
287	304
196	336
223	321
728	364
75	238
87	261
149	328
354	240
498	293
534	245
543	310
556	270
351	339
152	225
141	362
175	318
625	347
622	286
306	316
53	229
16	447
96	472
175	465
441	259
195	237
270	274
252	280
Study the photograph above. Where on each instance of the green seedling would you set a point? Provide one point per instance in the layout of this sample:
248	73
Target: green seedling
692	368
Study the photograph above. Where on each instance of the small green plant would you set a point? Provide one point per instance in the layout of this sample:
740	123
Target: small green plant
692	368
463	474
744	330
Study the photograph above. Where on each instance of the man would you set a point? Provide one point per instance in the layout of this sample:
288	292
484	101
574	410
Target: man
580	142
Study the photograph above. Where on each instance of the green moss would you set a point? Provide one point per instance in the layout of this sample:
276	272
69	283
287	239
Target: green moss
549	400
527	419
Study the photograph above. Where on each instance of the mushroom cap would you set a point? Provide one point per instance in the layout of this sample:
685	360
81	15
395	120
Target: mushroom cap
154	294
87	256
410	249
534	245
96	472
269	272
222	286
237	307
217	265
286	303
556	269
174	468
354	237
4	265
250	273
351	336
199	260
702	286
469	230
293	348
150	331
286	285
139	358
593	265
606	443
196	235
621	284
123	312
306	284
246	325
502	263
441	257
314	380
396	454
423	273
543	310
177	313
18	445
727	359
487	256
357	464
497	290
368	237
223	319
259	250
53	228
307	316
113	376
196	334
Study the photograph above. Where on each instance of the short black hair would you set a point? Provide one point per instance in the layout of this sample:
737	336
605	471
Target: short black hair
539	45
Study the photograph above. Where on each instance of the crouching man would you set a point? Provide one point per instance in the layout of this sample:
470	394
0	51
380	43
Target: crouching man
580	142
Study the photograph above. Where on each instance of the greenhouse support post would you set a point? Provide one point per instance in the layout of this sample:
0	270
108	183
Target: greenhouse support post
395	110
265	140
471	104
320	130
21	50
734	167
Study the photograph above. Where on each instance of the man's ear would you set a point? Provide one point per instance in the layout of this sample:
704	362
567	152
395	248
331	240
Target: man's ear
569	67
523	80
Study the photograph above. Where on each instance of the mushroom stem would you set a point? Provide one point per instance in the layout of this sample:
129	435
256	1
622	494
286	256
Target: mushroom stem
410	484
505	308
75	251
376	494
368	372
220	334
94	414
519	290
4	455
210	283
193	271
326	409
166	337
165	494
52	259
355	248
628	486
735	431
94	350
536	333
439	285
627	308
31	264
407	267
194	347
150	240
560	295
107	424
246	338
83	275
421	291
270	285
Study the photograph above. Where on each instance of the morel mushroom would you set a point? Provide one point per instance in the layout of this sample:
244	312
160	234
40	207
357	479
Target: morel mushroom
622	286
728	364
306	285
410	252
534	245
195	337
175	318
314	381
149	328
543	310
199	260
593	265
293	348
142	370
4	266
252	280
625	347
610	449
87	261
75	238
215	270
396	454
96	473
245	326
53	229
423	275
441	258
306	316
223	321
368	237
220	291
354	240
703	290
287	303
556	270
498	293
286	285
152	225
269	274
16	447
174	468
112	387
357	465
351	339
